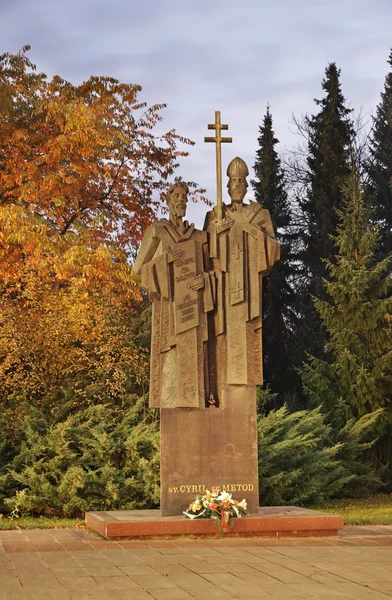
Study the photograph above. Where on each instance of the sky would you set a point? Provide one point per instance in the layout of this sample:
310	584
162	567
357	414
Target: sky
199	56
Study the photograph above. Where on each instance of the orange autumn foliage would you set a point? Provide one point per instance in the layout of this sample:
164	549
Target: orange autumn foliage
82	173
82	156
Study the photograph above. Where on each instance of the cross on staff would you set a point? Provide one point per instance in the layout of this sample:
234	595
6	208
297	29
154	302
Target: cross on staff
218	140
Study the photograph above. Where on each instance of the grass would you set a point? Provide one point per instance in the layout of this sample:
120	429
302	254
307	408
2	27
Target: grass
376	510
39	523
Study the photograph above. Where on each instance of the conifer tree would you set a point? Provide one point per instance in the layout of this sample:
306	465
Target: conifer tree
357	379
278	315
330	137
380	165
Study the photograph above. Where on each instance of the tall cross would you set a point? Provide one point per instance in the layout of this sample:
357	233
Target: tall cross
218	140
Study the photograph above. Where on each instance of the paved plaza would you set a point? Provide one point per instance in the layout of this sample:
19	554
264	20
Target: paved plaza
78	564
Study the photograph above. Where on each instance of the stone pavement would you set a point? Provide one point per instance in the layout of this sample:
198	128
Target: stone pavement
78	564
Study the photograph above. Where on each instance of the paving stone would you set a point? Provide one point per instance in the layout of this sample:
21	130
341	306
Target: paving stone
170	594
144	552
200	594
180	570
122	557
90	563
72	572
106	571
187	580
206	567
154	561
235	568
171	569
10	584
87	554
39	581
361	592
24	558
92	595
103	545
79	583
173	551
222	580
379	587
132	594
61	562
140	569
19	546
117	582
74	545
153	581
48	595
12	535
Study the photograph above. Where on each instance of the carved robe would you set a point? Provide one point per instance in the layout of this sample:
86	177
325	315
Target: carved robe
169	261
243	249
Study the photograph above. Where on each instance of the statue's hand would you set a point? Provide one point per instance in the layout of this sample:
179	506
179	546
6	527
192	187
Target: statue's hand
175	253
225	224
197	283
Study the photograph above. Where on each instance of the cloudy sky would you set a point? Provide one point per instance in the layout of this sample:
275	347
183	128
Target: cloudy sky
199	56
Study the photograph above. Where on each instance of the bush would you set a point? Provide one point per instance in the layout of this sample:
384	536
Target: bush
100	458
301	461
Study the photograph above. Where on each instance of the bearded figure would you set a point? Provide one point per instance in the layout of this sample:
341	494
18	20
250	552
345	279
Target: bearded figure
173	263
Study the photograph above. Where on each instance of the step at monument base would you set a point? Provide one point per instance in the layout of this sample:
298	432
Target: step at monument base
272	521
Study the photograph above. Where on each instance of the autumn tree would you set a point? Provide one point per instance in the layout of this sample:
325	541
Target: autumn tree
82	157
82	174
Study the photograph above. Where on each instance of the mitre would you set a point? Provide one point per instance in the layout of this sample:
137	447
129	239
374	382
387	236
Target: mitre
237	168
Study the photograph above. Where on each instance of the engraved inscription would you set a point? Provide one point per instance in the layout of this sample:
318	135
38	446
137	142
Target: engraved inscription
201	488
185	299
187	355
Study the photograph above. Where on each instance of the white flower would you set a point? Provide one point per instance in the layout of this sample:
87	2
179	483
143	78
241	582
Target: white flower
243	504
225	497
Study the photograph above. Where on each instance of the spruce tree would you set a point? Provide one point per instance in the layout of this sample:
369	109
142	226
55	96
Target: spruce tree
380	165
357	378
277	302
329	143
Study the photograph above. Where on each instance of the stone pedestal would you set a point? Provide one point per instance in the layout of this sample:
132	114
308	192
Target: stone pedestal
211	447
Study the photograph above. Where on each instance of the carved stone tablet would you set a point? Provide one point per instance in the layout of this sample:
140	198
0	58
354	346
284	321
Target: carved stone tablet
185	300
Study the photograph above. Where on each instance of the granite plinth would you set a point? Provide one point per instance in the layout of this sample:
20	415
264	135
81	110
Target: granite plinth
289	521
202	449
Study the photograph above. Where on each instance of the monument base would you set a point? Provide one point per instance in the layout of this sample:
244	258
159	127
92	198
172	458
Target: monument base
279	521
202	449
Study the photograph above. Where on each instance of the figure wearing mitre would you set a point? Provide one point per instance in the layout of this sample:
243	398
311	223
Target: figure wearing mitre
243	249
173	262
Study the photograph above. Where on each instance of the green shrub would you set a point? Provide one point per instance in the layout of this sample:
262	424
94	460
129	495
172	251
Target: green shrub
100	458
302	462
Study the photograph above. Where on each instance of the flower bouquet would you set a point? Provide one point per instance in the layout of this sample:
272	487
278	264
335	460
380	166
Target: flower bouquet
219	506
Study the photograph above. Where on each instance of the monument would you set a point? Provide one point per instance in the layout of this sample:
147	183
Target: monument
206	360
206	347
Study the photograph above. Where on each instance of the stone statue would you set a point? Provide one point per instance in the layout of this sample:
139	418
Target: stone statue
206	347
173	262
243	249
